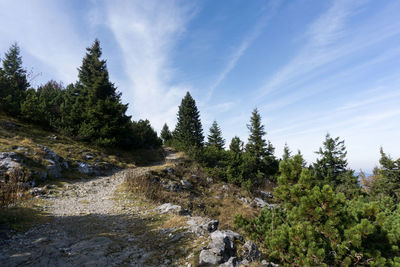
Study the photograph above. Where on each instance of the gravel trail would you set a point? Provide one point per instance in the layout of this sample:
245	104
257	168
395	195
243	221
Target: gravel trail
91	227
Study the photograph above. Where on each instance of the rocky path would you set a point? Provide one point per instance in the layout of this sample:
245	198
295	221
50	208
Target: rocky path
92	226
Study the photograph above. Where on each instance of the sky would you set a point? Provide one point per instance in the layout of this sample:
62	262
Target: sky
310	67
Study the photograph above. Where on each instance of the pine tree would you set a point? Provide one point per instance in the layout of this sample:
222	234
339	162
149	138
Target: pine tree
286	152
215	137
14	81
94	104
387	182
188	131
257	145
332	162
236	145
165	134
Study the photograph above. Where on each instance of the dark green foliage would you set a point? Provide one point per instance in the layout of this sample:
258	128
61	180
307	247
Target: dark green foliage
89	110
331	167
262	151
332	162
166	135
215	137
387	181
286	152
102	115
236	145
144	135
188	131
13	81
43	106
315	226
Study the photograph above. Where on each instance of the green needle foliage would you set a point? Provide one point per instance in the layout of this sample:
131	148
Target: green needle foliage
215	137
13	81
315	226
166	135
188	131
89	110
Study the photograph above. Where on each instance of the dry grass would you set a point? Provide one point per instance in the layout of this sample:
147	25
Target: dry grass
215	200
12	188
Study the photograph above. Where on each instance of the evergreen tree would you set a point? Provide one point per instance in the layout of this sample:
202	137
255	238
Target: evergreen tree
286	152
96	106
188	131
257	145
215	137
14	81
331	168
165	134
260	161
387	181
236	145
332	162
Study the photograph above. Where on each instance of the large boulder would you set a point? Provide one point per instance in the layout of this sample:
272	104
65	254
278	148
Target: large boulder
89	169
171	208
259	203
9	161
54	163
202	226
250	252
221	248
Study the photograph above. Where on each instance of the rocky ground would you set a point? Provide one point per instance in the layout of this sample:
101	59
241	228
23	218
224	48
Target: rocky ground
95	223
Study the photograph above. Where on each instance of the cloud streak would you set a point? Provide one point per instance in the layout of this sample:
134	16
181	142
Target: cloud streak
268	13
147	33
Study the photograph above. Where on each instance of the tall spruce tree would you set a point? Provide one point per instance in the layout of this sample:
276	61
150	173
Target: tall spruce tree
14	81
257	145
236	145
332	162
188	131
96	105
286	152
165	134
215	137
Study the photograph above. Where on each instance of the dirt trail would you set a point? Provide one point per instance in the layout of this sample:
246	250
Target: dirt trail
91	227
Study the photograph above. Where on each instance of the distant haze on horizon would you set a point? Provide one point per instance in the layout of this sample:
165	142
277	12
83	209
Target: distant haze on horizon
310	67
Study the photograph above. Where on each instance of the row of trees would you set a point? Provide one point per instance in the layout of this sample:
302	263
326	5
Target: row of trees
88	110
324	217
249	166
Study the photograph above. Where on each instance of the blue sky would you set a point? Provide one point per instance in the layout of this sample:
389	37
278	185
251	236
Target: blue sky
310	67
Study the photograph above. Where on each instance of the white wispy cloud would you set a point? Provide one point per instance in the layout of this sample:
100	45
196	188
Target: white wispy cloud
328	41
45	33
147	33
268	11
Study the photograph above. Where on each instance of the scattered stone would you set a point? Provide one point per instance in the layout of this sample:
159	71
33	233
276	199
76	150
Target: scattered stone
53	137
245	200
88	156
251	252
171	208
37	191
225	187
266	195
209	180
88	169
258	202
202	226
264	263
186	184
232	262
171	186
221	248
209	257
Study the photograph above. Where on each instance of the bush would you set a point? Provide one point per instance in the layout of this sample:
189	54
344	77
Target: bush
11	189
319	227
